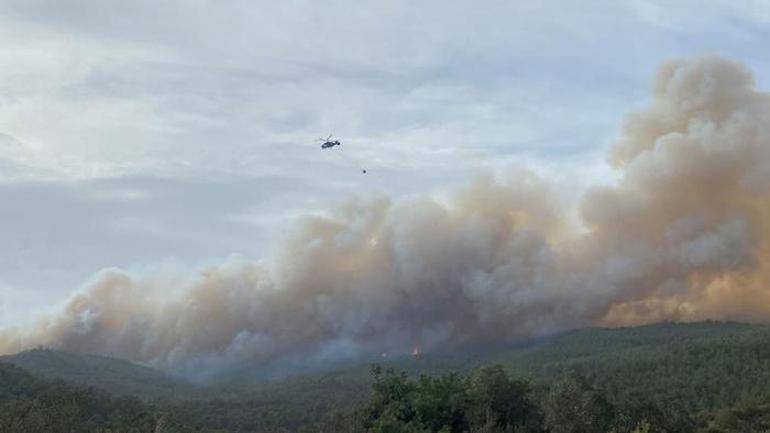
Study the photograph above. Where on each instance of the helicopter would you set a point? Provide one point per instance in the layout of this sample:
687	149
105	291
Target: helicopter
328	142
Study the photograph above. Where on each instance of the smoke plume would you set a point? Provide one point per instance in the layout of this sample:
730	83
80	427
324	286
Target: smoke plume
682	235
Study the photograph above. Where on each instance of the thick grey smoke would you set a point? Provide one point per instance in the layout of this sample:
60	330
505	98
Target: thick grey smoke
682	235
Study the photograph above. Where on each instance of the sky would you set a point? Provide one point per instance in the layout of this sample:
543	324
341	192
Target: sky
163	137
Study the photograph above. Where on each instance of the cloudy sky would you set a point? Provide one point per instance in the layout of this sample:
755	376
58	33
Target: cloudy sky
165	136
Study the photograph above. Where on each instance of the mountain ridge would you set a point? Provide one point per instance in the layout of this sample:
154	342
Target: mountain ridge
114	375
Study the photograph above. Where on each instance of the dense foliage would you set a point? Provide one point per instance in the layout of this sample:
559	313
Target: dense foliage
705	377
487	400
32	405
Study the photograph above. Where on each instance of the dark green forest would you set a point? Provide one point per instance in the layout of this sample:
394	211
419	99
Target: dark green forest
698	377
30	404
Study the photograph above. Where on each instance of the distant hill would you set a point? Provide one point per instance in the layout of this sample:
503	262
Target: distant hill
700	366
694	367
30	404
109	374
16	382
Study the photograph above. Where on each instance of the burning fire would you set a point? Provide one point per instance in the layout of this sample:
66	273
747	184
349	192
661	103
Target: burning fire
416	351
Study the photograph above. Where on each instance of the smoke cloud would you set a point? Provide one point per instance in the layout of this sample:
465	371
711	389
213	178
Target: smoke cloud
682	235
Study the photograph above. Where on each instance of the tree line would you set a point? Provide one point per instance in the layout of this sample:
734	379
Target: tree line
491	400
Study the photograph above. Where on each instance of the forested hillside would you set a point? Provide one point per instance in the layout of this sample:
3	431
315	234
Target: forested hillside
690	368
109	374
32	405
707	376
